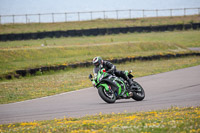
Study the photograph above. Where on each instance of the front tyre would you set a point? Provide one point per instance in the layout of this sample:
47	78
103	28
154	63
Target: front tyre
107	96
138	94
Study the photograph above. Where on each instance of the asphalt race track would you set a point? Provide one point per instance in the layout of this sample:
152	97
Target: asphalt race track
176	88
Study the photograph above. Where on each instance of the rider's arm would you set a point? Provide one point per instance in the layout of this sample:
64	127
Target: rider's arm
112	68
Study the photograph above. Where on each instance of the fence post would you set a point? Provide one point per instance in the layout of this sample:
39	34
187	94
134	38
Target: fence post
39	17
78	16
0	19
104	15
26	18
117	14
156	12
91	15
143	13
13	18
170	12
184	11
65	17
52	17
130	13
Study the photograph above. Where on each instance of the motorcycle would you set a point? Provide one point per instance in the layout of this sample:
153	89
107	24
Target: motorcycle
112	88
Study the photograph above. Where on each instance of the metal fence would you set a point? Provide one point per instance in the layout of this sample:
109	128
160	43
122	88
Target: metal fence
92	15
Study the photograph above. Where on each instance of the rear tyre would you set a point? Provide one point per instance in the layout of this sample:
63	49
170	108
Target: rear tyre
107	96
139	93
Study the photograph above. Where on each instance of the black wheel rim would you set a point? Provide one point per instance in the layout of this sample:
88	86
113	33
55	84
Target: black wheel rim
139	90
108	94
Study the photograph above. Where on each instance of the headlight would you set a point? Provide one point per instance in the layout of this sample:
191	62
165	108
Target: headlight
95	76
93	83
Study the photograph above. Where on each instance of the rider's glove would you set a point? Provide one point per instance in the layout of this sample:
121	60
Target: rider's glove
110	71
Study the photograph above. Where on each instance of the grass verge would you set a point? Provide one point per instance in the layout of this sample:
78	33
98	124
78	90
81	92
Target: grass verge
172	120
108	23
15	55
74	79
186	38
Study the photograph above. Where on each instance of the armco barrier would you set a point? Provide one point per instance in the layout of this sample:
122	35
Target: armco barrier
97	31
34	71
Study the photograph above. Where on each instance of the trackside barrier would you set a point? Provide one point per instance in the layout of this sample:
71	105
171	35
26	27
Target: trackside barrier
34	71
97	31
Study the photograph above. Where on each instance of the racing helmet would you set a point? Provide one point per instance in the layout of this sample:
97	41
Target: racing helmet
97	61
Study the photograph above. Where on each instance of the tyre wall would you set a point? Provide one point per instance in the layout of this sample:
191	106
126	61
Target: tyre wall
34	71
97	31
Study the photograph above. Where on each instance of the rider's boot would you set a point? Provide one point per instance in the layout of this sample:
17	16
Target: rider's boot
130	94
130	82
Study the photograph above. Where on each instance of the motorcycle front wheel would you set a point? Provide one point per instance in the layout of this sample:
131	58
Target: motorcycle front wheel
139	93
107	96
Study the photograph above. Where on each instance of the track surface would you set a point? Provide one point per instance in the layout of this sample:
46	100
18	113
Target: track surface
175	88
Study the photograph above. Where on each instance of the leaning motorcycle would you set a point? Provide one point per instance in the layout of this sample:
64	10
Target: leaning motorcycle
112	88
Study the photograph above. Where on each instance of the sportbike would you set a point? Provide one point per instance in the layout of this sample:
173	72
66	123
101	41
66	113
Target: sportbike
112	88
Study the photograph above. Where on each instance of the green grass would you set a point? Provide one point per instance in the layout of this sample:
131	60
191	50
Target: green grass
185	38
176	119
23	54
74	79
16	55
40	27
19	59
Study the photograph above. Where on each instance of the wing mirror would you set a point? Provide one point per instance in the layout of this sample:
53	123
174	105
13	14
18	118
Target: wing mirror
90	77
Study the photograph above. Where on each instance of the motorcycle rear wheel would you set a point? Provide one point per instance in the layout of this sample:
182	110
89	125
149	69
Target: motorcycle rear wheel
108	97
138	94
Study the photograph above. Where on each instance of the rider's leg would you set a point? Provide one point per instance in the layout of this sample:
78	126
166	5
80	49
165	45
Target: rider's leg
124	76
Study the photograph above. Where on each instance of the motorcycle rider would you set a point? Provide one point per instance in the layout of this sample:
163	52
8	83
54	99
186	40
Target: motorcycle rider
110	68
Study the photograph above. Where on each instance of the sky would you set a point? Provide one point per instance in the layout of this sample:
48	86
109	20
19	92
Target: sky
9	7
